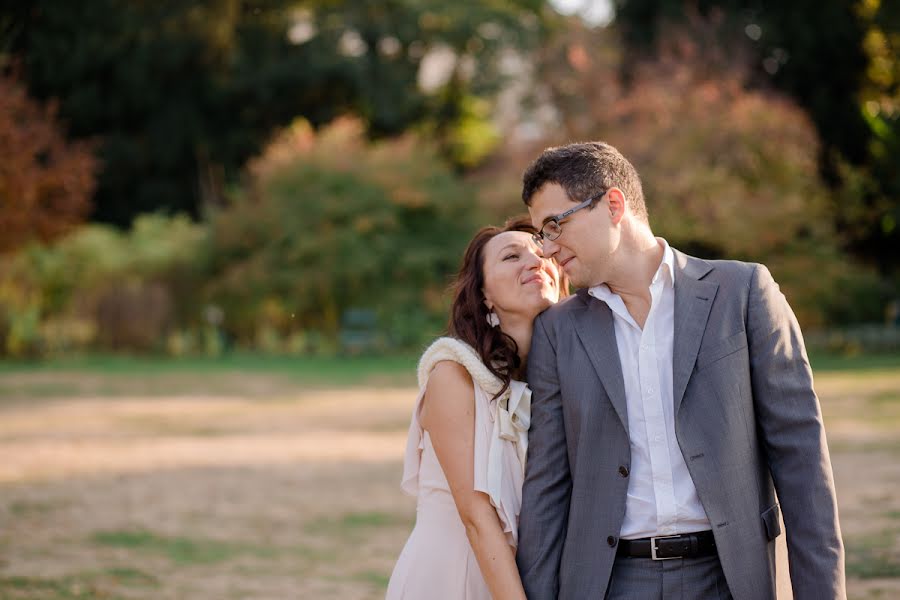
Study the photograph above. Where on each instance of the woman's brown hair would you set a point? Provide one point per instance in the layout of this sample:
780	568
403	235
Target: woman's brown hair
468	314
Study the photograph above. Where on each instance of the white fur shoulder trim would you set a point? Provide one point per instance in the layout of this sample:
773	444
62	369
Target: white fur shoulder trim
447	348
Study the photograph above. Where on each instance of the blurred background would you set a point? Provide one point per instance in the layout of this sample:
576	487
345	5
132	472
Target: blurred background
227	229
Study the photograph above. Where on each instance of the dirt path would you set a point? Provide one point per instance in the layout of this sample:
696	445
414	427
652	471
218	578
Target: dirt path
292	494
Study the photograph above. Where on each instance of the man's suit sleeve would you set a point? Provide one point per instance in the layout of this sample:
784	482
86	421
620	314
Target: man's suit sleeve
789	421
547	489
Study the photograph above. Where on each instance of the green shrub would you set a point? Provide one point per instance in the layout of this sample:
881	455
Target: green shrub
328	224
331	223
99	288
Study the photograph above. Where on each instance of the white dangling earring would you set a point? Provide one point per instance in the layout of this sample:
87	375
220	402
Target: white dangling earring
492	319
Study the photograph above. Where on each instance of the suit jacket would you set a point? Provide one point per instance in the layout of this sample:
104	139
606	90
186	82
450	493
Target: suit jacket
747	421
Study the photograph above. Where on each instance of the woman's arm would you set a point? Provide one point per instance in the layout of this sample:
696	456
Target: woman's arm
448	414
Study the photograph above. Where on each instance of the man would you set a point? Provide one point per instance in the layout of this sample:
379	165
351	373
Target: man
672	397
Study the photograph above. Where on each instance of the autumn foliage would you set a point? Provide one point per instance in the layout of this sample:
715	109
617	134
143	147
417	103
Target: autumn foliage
46	182
729	170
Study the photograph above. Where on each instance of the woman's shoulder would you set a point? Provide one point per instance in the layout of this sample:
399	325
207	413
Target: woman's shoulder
448	373
447	349
455	359
447	387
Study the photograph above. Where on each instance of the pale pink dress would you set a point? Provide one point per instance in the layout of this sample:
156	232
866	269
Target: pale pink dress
437	562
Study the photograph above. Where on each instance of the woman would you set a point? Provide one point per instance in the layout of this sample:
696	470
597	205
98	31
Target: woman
465	456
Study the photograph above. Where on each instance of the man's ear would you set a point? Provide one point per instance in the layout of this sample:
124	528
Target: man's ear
616	200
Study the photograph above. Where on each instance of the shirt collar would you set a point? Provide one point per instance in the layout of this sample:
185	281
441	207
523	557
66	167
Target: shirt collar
667	265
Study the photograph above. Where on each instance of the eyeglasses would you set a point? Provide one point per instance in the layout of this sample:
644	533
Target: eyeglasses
552	229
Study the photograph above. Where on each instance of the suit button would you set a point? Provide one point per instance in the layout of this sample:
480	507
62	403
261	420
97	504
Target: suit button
611	540
623	471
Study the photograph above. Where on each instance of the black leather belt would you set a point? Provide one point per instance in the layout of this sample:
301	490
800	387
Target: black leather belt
686	545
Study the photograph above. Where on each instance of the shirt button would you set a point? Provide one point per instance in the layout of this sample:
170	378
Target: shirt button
649	390
611	540
623	471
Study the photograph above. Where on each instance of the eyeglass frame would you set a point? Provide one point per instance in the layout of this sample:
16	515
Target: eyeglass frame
539	236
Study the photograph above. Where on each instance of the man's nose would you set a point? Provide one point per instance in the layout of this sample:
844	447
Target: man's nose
550	248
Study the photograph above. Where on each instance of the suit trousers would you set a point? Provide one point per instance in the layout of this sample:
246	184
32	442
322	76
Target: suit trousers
675	579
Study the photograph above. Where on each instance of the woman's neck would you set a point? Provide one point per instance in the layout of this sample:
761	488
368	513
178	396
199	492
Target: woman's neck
520	330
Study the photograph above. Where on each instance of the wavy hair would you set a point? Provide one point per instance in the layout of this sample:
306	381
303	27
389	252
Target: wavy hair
468	314
583	170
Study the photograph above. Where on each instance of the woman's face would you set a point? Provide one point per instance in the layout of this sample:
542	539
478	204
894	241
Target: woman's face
518	281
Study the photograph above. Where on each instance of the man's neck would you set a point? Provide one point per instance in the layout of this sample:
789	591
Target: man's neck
637	269
636	266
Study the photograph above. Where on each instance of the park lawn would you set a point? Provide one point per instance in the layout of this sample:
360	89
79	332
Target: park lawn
315	367
231	375
253	375
278	478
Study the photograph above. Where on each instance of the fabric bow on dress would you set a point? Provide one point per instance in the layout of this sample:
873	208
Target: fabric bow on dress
511	414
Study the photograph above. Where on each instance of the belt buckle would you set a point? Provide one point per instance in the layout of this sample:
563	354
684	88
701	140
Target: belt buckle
653	547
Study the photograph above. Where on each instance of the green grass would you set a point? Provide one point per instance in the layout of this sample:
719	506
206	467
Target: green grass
241	374
379	580
24	508
354	522
257	375
342	370
864	362
62	588
180	550
889	397
80	586
875	556
354	368
132	576
347	369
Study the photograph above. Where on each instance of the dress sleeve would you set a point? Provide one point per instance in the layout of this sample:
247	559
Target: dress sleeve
415	443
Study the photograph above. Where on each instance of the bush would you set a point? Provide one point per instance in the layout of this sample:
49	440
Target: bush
330	223
328	226
99	288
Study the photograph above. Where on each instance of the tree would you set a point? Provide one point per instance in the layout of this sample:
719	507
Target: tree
182	94
838	60
727	171
45	182
880	102
810	49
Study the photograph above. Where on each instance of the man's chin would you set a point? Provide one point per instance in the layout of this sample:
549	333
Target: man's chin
575	280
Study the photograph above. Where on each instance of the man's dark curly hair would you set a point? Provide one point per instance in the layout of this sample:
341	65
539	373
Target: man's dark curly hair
584	170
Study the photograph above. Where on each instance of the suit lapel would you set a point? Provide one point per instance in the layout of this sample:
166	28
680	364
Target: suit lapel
595	328
693	300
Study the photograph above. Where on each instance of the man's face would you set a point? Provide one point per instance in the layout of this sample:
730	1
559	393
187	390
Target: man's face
582	249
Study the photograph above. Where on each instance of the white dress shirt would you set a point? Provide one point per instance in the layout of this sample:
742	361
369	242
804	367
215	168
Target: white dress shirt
662	499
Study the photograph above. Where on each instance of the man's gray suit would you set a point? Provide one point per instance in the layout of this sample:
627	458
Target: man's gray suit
747	421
